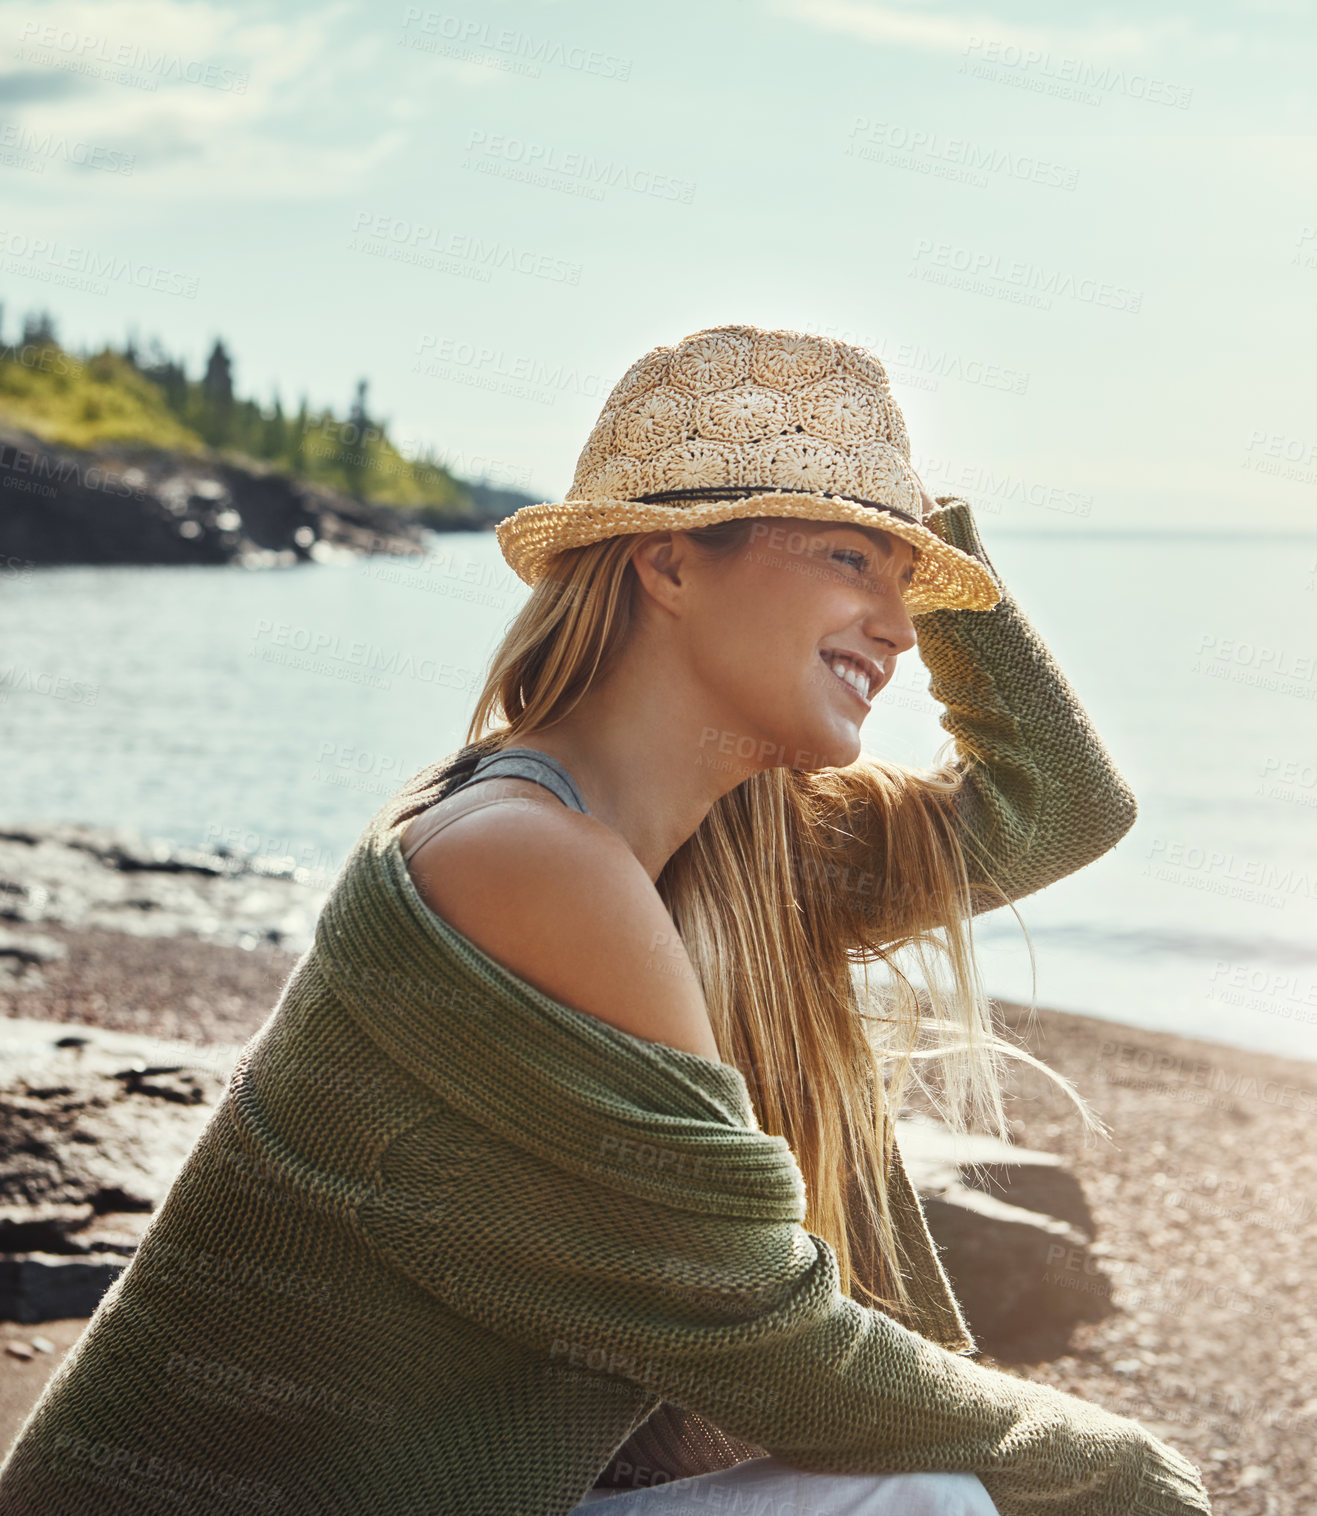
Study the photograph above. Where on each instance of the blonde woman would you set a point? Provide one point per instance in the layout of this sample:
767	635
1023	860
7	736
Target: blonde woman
563	1175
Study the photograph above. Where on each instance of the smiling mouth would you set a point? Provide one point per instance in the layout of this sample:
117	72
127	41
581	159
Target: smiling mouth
849	673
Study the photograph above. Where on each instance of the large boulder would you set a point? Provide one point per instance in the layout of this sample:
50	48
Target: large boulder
94	1125
1004	1217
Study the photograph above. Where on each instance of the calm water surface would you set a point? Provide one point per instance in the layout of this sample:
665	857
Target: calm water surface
276	710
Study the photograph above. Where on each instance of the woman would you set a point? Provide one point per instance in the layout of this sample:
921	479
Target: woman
564	1172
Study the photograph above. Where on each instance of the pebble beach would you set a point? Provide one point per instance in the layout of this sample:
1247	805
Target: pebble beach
1203	1194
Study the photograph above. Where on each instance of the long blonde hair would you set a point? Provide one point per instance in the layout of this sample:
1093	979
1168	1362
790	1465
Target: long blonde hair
791	881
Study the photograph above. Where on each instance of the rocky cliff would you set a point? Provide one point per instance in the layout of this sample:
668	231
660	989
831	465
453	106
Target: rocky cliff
59	505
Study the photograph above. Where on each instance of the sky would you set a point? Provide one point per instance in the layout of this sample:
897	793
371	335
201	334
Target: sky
1083	242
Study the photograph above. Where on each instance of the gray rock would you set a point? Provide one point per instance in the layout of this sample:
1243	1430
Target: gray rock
1006	1219
21	955
134	504
44	1287
110	878
94	1126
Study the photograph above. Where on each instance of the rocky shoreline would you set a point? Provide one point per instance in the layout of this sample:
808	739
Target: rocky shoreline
1165	1273
137	505
98	878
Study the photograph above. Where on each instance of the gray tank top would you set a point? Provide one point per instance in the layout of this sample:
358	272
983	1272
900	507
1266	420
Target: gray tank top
513	763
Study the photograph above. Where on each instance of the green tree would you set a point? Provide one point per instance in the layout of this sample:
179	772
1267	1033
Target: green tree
356	455
297	439
168	374
39	329
274	431
217	397
248	422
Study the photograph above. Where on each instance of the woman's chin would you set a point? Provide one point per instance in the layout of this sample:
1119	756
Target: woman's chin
829	749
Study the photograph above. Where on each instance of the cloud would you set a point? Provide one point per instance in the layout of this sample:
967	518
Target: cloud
950	32
33	85
210	100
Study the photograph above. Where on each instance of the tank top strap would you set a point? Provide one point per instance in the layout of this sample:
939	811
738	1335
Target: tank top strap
509	763
530	763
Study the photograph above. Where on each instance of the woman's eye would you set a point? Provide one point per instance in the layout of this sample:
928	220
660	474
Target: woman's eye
858	559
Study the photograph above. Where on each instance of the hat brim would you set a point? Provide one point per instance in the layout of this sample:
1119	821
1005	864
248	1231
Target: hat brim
945	578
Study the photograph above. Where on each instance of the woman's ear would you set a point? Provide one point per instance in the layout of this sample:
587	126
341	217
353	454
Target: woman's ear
660	561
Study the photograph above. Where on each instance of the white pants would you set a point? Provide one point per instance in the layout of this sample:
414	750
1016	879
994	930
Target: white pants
766	1487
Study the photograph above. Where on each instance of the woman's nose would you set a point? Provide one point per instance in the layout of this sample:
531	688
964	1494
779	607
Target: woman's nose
888	620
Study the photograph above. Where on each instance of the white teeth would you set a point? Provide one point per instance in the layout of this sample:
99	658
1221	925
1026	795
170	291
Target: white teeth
858	681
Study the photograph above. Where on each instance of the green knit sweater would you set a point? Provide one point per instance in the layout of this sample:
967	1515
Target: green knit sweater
445	1243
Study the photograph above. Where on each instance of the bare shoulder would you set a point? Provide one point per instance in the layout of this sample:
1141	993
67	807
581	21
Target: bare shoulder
560	899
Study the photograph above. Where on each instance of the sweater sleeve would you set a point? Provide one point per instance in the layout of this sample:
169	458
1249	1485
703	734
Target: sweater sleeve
740	1318
1041	797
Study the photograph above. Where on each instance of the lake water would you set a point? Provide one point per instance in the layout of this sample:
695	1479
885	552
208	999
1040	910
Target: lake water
276	710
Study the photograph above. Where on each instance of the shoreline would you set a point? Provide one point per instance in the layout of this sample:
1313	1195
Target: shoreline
133	504
1204	1197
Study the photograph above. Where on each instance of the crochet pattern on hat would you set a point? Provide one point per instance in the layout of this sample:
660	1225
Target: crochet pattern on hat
743	421
739	406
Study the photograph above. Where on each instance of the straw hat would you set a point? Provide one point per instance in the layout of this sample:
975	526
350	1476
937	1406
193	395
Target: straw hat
741	421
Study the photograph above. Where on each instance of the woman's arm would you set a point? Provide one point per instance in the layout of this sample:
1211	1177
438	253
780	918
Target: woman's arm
740	1318
1041	796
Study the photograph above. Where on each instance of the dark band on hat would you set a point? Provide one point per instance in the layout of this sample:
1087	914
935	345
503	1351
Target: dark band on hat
743	491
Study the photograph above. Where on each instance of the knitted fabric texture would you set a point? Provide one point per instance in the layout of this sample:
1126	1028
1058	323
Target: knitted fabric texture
1041	796
446	1244
747	421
